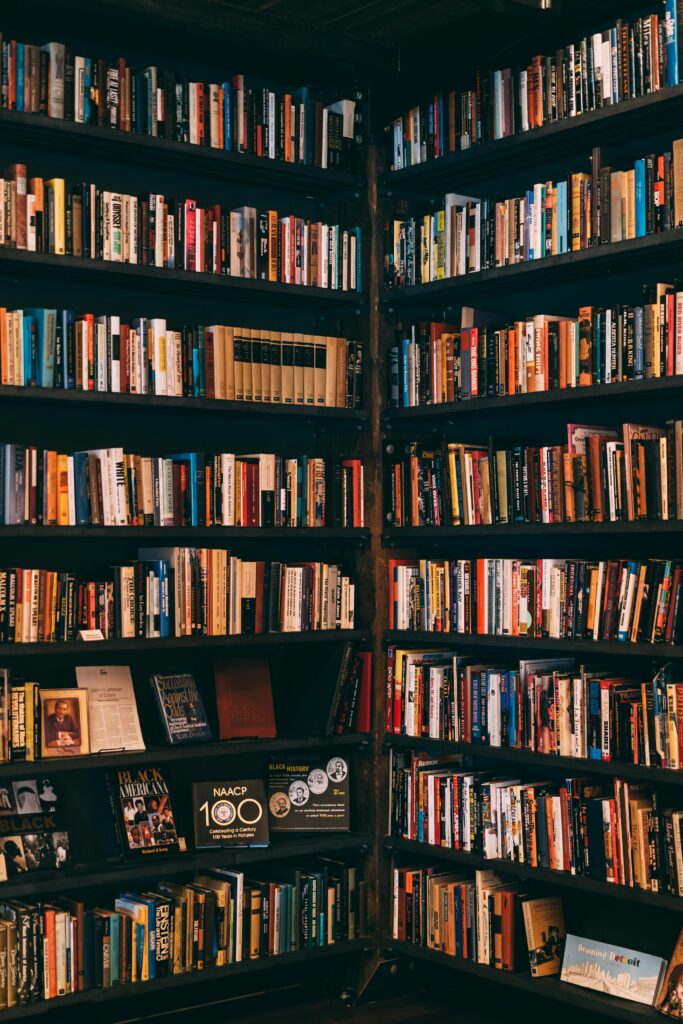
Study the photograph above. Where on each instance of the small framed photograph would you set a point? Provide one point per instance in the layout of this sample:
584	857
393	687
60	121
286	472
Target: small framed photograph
64	723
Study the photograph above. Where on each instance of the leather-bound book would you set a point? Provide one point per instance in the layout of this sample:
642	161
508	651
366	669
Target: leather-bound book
244	698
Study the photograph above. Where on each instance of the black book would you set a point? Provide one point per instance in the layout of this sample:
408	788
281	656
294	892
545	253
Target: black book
143	813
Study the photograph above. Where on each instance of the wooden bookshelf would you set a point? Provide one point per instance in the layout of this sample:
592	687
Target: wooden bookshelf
414	637
191	534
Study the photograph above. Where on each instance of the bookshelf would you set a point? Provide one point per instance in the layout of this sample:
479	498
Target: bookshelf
149	33
606	275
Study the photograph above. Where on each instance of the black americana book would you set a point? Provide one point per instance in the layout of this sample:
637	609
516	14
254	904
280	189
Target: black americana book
143	813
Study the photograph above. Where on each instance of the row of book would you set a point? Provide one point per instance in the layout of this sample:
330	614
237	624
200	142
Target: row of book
626	60
568	599
178	591
599	475
227	916
61	348
470	234
617	832
433	363
111	487
549	706
81	219
240	114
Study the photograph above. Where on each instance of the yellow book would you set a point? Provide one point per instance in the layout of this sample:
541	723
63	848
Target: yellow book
57	187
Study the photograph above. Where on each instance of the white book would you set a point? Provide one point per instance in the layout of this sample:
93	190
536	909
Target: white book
112	709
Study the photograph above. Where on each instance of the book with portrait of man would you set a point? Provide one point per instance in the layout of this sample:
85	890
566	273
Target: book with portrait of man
64	723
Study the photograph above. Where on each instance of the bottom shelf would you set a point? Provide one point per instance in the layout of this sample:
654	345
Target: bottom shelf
210	974
546	988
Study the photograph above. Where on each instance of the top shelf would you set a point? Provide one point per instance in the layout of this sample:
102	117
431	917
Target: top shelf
643	115
132	148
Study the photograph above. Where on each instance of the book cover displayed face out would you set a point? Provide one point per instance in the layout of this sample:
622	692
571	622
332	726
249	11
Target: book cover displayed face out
309	796
64	723
181	708
614	970
230	813
670	997
545	934
244	698
143	813
112	709
32	833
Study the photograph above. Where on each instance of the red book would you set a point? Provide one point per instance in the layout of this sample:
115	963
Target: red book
364	713
244	698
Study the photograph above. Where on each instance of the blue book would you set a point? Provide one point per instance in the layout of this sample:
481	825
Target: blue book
639	168
81	489
612	970
46	335
68	318
20	77
671	38
623	634
594	719
512	690
527	224
181	708
87	82
227	113
133	897
404	367
638	344
114	946
498	104
561	216
30	343
475	698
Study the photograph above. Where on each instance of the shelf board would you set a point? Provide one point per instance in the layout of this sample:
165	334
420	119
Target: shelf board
561	878
548	988
549	142
448	414
408	535
232	534
297	414
81	1000
76	269
180	752
178	643
405	637
557	271
514	756
107	873
183	157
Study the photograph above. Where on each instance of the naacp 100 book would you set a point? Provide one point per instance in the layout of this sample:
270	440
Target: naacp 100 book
614	970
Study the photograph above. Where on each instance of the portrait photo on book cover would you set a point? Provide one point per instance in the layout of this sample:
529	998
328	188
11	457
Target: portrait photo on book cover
64	723
149	821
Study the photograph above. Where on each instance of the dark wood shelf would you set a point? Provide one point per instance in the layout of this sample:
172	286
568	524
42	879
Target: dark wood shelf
562	271
518	756
211	534
178	643
450	413
180	752
562	878
97	996
406	637
183	157
115	873
530	149
547	988
407	535
76	269
296	414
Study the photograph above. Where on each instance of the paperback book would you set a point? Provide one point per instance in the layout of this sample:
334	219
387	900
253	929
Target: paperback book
614	970
181	708
309	796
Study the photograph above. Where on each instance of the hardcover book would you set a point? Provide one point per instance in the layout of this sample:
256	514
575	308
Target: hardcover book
244	698
145	822
181	708
670	997
33	834
309	796
614	970
230	813
545	934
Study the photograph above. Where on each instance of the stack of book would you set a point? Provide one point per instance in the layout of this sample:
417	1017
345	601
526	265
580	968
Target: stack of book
469	234
433	363
62	348
569	599
600	475
623	61
81	219
241	114
110	487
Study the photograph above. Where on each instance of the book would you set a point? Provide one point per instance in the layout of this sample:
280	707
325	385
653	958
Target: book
309	796
230	813
64	723
33	824
545	934
112	709
143	813
244	698
181	708
669	999
613	970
